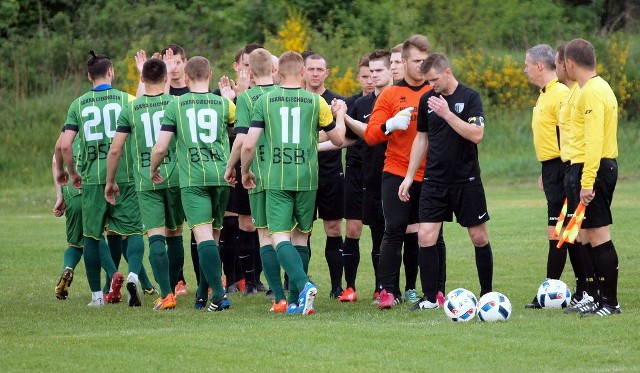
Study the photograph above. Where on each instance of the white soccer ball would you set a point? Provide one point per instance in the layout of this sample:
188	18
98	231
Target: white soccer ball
460	305
554	294
494	306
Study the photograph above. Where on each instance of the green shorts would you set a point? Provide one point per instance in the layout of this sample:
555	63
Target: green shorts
73	217
205	205
258	203
161	208
97	213
287	209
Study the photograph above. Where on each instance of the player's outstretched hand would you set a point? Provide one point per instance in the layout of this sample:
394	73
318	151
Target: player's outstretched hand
111	191
230	176
155	176
244	81
403	189
338	107
226	87
168	60
59	207
249	180
141	58
400	121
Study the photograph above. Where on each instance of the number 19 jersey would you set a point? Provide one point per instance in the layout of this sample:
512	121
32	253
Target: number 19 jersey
291	118
142	118
199	121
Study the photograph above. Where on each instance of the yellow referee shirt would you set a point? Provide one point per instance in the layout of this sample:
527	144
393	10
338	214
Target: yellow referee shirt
566	132
544	123
595	126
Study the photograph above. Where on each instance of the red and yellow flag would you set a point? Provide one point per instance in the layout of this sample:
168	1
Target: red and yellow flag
573	228
563	214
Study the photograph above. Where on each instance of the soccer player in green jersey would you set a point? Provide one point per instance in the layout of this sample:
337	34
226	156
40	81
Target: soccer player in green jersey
261	67
160	205
199	120
290	118
93	117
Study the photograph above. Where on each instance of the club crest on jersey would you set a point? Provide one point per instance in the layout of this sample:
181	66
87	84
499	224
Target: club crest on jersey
458	107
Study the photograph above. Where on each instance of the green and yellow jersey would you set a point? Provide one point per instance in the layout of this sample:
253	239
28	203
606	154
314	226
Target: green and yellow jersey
200	122
94	117
245	104
291	118
142	118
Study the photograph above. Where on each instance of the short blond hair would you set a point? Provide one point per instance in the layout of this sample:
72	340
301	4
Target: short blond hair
260	62
290	63
420	42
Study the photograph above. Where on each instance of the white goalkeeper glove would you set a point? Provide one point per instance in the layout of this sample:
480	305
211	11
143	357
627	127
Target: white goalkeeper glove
400	121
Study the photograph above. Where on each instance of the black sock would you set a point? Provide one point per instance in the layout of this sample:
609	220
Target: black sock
484	264
228	248
195	261
410	260
442	262
333	255
246	247
429	263
376	239
577	263
351	259
593	281
555	260
606	262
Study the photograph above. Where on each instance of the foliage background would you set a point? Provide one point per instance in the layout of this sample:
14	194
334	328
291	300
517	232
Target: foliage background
45	45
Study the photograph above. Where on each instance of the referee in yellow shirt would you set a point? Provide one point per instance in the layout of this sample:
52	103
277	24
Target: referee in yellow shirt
594	169
540	69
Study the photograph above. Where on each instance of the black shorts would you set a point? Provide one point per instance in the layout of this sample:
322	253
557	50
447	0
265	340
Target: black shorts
598	213
231	202
553	172
240	196
353	192
372	209
330	200
439	203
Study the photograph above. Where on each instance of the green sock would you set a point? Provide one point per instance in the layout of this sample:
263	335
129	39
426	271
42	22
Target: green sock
135	253
271	270
160	263
203	286
92	262
175	251
143	277
72	256
115	247
305	255
209	255
292	263
106	261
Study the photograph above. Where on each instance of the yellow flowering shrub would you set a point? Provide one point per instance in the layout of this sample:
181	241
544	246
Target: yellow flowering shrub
293	34
499	79
132	77
345	84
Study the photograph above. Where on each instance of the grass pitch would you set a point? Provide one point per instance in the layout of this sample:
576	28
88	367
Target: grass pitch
38	332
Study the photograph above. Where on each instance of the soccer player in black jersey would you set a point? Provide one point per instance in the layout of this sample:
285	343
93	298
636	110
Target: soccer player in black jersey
329	201
450	125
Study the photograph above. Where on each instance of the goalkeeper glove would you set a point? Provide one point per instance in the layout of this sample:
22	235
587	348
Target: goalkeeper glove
400	121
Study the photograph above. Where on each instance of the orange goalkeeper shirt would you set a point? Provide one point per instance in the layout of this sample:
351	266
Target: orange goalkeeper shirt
390	101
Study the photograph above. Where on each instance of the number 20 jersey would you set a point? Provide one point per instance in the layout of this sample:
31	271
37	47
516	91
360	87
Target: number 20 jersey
291	118
142	118
94	117
199	121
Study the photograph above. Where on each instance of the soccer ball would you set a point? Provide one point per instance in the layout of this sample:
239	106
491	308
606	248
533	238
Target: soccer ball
494	306
554	294
460	305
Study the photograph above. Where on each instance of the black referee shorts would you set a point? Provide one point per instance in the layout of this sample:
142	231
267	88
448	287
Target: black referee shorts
330	200
439	203
353	193
553	172
598	213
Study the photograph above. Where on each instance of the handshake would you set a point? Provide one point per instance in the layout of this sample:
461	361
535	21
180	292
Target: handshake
400	121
